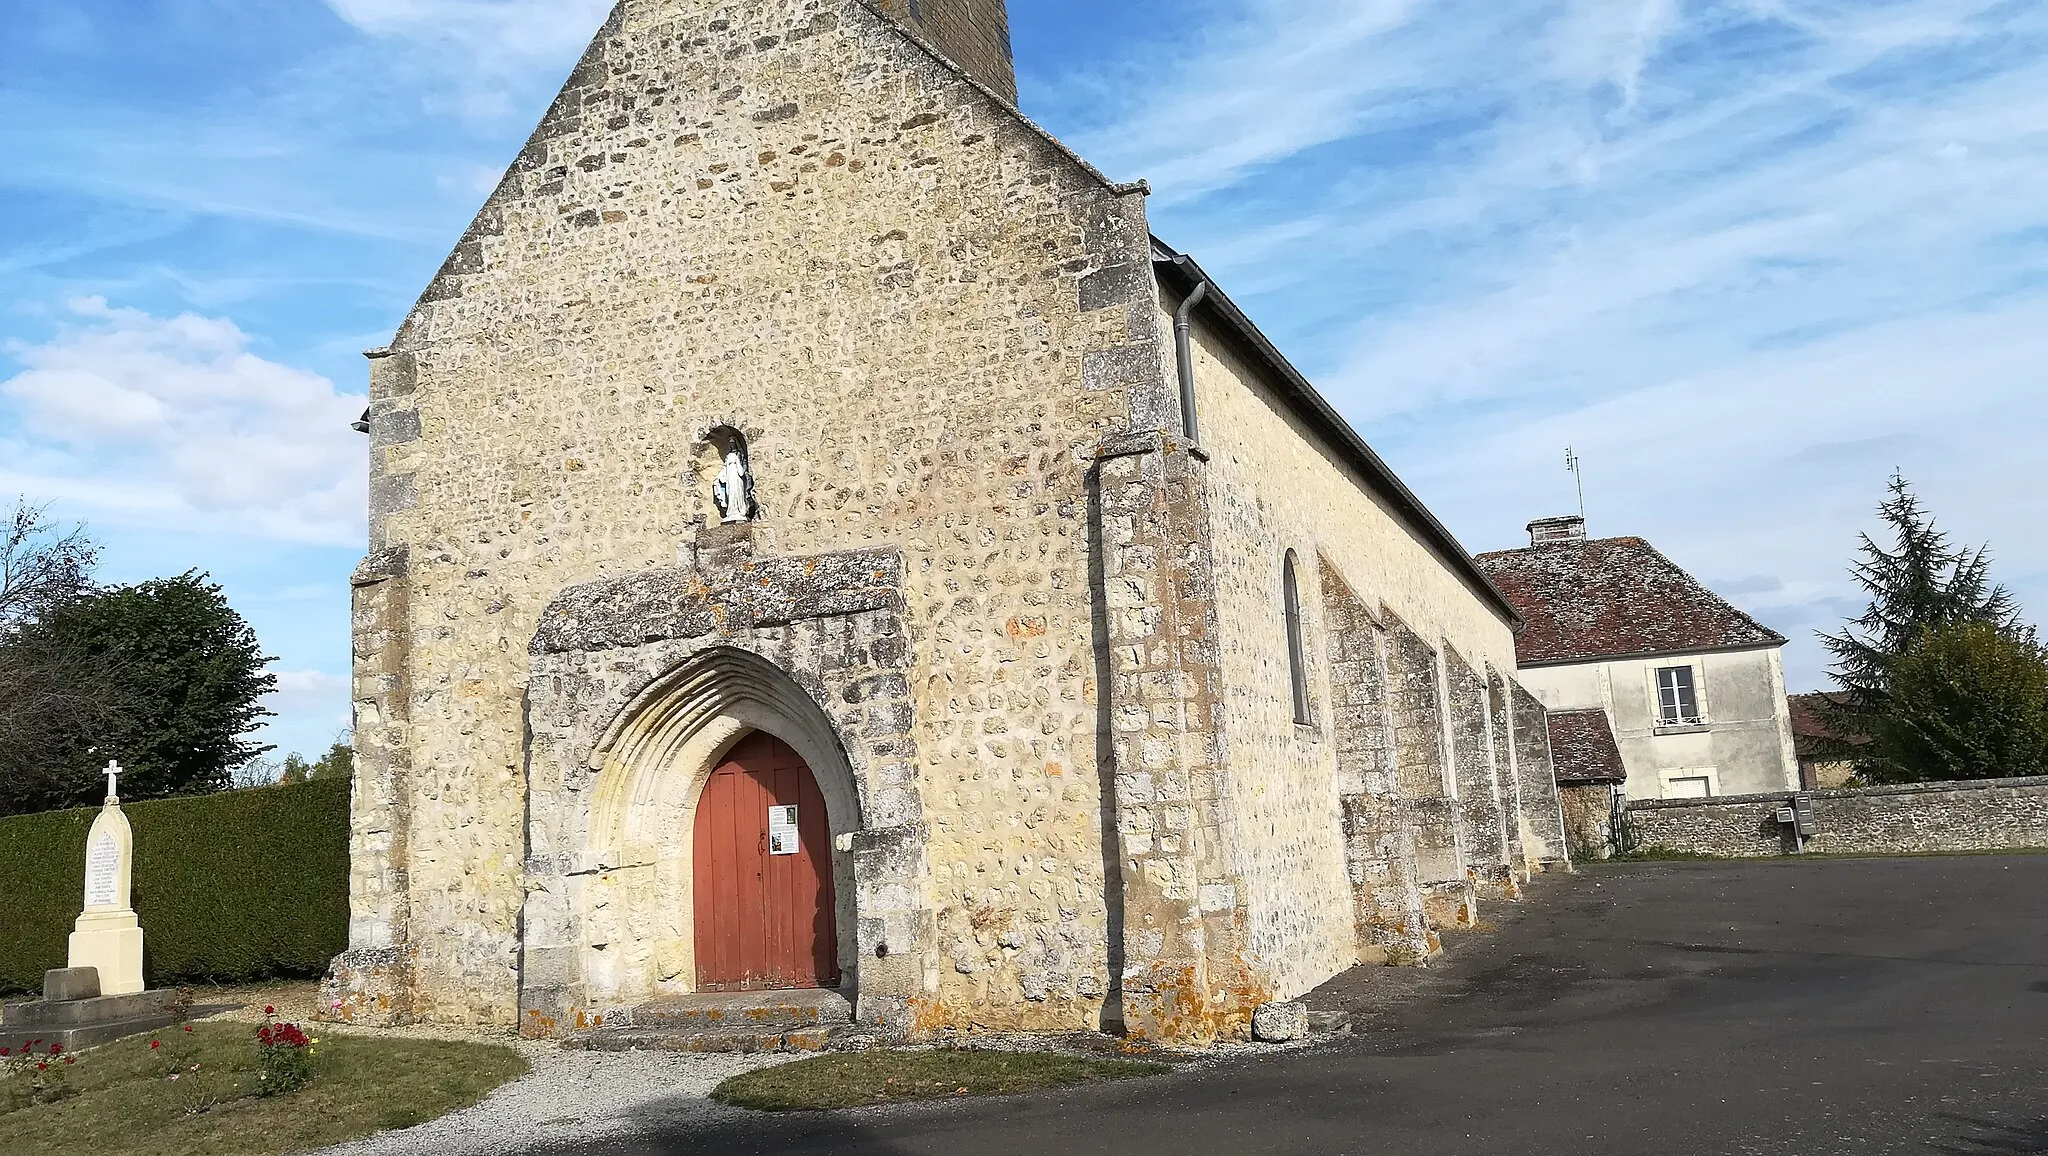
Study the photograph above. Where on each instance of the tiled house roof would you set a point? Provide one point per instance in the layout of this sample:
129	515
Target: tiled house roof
1583	748
1613	598
1812	733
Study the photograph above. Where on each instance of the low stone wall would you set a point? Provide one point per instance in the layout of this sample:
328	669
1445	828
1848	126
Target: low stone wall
1982	815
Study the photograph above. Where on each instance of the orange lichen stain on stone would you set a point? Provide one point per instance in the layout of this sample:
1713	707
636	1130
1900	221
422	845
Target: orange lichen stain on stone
538	1026
928	1017
1180	1009
1021	628
475	688
1054	770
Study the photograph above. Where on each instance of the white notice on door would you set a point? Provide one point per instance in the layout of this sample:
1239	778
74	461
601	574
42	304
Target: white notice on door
782	837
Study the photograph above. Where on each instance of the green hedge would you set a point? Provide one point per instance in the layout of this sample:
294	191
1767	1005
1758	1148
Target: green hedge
235	886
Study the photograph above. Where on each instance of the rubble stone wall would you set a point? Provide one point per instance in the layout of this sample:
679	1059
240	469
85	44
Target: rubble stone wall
1277	485
789	220
1986	815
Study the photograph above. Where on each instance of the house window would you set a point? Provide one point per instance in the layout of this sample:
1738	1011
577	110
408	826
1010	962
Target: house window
1297	654
1678	699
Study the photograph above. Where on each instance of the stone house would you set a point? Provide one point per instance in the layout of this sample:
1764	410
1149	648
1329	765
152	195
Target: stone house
1693	689
820	538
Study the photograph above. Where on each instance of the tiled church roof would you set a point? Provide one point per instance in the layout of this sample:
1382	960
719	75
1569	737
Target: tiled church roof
1613	598
1582	746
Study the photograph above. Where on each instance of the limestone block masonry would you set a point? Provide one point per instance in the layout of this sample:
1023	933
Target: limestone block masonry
1379	839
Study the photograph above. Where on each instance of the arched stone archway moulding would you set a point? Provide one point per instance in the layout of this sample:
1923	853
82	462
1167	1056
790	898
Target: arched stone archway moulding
639	687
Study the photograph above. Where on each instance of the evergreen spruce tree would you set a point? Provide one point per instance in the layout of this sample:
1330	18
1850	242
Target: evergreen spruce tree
1922	585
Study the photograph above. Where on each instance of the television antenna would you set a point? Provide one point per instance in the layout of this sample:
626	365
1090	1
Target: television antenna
1577	465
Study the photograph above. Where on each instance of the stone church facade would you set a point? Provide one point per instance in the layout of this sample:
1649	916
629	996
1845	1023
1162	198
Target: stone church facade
1137	692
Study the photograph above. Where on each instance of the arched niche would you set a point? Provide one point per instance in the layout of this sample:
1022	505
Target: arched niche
712	463
638	941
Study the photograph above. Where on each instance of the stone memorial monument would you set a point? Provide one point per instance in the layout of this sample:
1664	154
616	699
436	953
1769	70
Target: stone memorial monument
107	935
100	996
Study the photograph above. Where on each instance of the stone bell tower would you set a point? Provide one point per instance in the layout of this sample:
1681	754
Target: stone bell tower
974	33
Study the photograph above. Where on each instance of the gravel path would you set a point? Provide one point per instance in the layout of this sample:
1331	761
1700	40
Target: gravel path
570	1098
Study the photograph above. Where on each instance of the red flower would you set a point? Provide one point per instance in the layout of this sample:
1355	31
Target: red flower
56	1049
188	1027
269	1010
5	1052
42	1067
70	1059
155	1044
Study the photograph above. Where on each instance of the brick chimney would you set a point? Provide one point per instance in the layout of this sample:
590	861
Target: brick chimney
1547	531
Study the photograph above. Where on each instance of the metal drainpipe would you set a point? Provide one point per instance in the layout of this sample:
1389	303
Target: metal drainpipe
1184	347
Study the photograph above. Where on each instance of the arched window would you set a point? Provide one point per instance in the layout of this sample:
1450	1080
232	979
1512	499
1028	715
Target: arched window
1297	653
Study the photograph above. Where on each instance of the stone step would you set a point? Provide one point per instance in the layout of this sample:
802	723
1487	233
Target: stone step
752	1021
815	1039
758	1012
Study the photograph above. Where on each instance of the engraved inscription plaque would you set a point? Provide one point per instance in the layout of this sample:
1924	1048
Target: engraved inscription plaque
102	873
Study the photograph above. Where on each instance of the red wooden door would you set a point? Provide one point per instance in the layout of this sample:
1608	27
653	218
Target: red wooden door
765	916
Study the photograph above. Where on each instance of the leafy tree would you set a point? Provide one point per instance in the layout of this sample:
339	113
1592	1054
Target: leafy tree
1923	583
49	686
1965	701
338	763
295	769
40	568
189	678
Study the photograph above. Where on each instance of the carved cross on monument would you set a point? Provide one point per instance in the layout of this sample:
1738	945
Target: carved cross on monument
113	773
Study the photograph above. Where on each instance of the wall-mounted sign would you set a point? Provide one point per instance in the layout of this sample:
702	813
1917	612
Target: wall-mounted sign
782	836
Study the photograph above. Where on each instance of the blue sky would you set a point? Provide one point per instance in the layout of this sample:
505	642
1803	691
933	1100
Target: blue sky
1747	256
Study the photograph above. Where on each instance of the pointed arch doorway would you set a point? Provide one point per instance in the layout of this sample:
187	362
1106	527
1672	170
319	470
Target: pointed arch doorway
765	912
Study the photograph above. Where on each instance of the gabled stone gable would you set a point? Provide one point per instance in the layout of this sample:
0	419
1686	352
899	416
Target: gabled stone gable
792	220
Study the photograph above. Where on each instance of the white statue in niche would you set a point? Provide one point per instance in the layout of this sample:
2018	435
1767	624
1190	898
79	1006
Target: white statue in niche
734	489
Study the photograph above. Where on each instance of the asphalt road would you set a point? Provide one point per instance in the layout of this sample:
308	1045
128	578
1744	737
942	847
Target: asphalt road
1839	1006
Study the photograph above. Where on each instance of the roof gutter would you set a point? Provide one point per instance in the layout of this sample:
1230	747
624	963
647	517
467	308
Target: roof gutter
1184	351
1188	279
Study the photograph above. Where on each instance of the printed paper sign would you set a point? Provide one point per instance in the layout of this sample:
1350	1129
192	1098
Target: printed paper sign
782	837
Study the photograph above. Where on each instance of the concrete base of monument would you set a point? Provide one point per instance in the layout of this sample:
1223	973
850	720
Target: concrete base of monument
86	1021
111	942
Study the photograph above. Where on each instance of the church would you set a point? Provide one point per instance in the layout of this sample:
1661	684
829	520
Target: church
821	540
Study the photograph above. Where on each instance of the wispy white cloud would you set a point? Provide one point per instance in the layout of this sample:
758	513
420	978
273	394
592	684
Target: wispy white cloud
522	30
1748	254
312	709
175	422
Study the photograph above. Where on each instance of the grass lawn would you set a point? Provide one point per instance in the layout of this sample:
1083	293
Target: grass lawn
886	1076
128	1102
